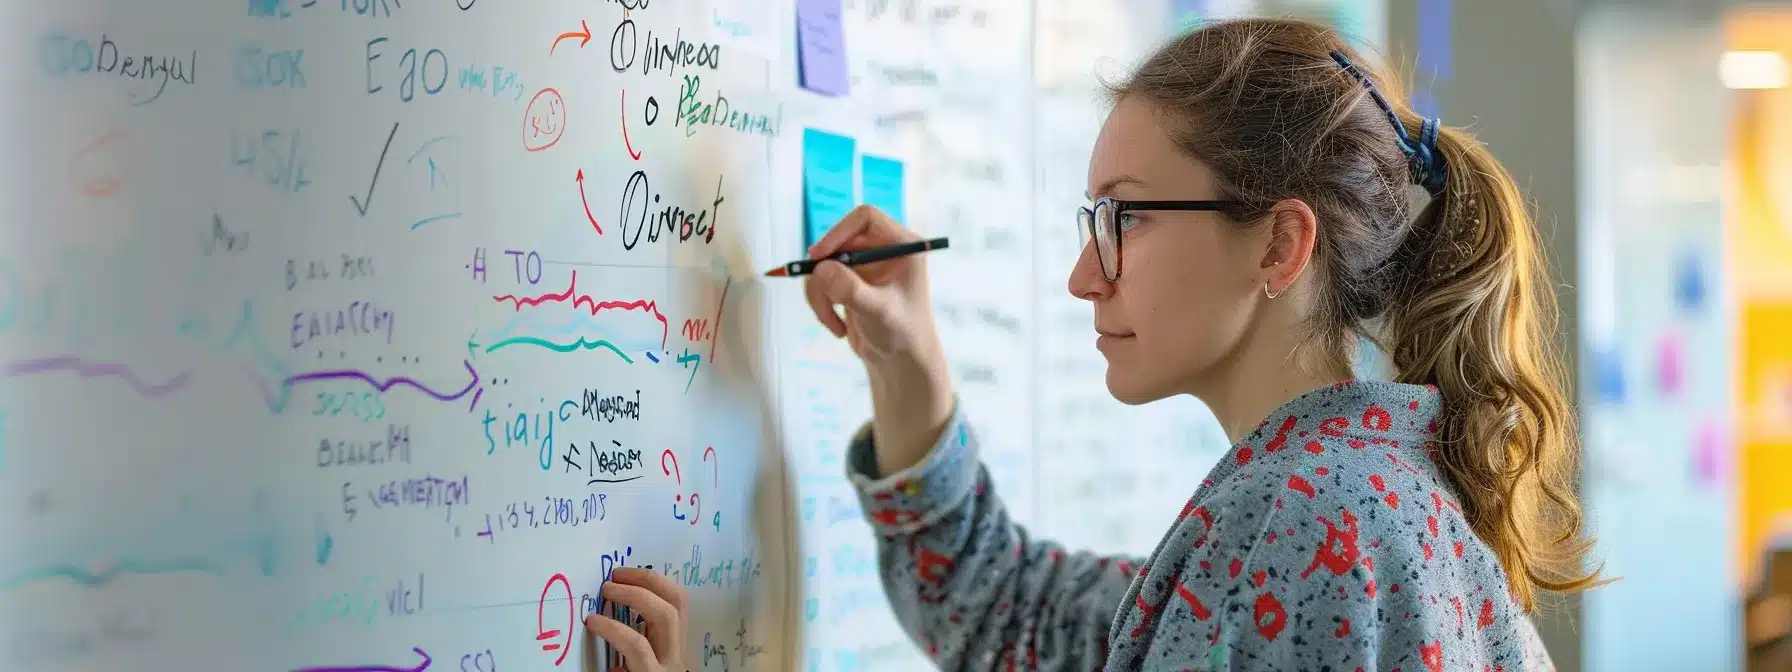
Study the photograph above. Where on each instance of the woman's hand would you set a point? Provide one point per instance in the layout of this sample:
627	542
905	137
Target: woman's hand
889	323
889	315
661	603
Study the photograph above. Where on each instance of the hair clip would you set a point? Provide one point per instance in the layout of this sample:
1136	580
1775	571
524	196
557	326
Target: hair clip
1424	163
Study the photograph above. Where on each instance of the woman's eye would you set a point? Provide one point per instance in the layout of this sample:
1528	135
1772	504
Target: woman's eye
1129	220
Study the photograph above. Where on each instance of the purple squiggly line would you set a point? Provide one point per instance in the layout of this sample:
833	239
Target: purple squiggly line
375	668
357	374
86	370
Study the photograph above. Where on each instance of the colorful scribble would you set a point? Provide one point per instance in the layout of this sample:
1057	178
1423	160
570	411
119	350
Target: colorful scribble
594	306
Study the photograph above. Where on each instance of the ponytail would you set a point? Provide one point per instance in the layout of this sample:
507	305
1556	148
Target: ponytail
1474	313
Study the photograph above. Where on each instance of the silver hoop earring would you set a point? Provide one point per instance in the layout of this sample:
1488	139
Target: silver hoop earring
1268	294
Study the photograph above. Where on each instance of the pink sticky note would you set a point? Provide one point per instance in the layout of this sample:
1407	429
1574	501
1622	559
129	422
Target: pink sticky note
1710	454
1670	365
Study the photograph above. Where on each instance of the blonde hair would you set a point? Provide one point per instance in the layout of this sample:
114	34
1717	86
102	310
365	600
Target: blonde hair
1461	294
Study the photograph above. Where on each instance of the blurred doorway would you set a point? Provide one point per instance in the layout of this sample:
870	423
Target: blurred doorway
1657	342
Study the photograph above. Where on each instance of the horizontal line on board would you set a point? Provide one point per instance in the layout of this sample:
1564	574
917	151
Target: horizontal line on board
593	264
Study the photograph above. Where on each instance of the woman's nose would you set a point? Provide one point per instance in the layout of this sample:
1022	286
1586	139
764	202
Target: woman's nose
1086	279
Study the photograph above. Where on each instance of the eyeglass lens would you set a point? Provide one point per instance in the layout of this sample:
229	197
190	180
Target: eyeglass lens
1098	222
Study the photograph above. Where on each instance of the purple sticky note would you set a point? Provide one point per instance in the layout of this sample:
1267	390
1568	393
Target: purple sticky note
821	47
1670	365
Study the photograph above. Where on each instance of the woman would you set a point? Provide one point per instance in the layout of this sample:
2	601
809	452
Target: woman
1250	220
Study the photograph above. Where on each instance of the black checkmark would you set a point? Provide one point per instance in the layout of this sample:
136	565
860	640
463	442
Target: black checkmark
360	205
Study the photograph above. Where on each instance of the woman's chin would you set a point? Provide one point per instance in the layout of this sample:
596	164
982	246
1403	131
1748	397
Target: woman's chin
1132	389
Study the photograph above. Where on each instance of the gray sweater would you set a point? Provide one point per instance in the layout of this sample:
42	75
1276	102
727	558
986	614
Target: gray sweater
1324	540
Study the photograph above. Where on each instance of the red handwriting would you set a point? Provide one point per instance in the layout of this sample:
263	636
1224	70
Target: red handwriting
696	329
544	121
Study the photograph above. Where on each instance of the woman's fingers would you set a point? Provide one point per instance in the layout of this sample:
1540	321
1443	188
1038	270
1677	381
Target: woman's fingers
663	623
817	293
632	644
872	224
660	584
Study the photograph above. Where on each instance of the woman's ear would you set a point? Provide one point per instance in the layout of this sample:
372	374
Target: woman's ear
1293	231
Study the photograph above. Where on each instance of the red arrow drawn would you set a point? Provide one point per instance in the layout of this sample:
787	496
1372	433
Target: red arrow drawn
581	180
625	143
583	33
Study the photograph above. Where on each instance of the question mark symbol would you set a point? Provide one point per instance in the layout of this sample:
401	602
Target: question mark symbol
673	472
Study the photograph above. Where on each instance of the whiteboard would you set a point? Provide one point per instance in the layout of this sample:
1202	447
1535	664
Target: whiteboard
371	334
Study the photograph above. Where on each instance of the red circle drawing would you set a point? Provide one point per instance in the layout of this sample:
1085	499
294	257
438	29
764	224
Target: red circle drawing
548	635
98	167
544	121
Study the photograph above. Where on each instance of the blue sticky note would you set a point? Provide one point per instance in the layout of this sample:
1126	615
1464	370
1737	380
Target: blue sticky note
827	182
1187	13
1436	55
1689	282
821	47
1608	376
881	185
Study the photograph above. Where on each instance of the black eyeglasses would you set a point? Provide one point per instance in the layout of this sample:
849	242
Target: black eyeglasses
1102	222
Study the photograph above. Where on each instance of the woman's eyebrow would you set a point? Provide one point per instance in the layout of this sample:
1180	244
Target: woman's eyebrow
1108	185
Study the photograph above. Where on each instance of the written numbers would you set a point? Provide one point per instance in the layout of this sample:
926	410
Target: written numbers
550	511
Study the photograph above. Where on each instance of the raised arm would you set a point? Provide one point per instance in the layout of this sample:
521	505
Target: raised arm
967	582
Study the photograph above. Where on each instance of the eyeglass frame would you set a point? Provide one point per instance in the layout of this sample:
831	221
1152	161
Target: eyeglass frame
1086	213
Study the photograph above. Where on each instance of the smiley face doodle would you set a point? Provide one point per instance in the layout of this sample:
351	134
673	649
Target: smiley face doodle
544	121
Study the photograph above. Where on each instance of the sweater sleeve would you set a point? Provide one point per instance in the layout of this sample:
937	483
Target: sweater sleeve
967	582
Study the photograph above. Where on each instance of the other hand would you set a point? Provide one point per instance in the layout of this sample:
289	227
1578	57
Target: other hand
661	603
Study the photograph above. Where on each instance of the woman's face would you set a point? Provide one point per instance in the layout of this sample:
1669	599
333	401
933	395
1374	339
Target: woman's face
1188	279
